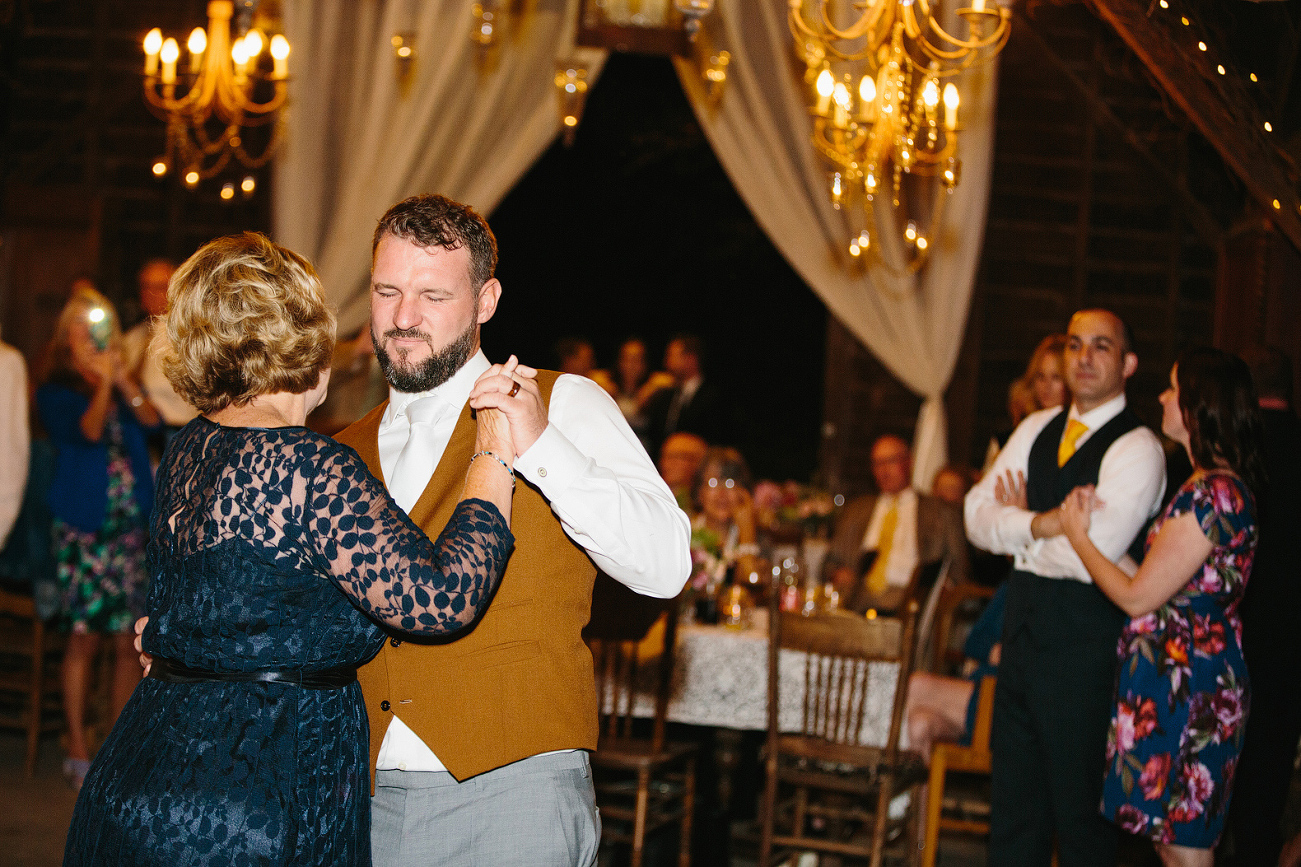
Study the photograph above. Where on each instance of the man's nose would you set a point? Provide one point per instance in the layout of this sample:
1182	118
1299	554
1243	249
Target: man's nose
408	313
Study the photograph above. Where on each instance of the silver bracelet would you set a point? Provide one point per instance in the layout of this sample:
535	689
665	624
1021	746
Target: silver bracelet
504	466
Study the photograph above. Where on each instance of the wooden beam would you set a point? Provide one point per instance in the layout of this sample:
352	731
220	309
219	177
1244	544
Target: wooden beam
1223	114
1207	227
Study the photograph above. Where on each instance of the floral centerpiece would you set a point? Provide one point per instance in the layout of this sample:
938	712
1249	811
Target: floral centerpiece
791	511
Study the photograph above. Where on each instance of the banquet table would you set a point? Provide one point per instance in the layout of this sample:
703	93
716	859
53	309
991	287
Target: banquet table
720	679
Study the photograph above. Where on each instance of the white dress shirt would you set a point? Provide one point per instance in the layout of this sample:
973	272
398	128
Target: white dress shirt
1131	481
593	471
15	438
140	358
902	562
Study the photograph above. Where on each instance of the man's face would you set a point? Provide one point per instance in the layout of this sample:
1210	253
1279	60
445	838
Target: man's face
1097	365
153	287
680	458
891	464
678	361
424	314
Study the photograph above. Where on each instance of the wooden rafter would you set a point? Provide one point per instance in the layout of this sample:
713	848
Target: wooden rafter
1232	125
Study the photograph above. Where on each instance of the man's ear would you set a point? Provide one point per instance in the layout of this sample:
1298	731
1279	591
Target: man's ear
1130	364
489	295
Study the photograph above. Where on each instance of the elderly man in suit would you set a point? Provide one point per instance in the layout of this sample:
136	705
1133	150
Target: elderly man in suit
883	540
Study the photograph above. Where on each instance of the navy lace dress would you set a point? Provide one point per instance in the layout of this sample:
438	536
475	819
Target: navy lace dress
255	534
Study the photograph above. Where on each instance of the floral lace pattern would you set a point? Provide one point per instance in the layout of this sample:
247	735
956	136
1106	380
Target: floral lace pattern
255	532
1182	692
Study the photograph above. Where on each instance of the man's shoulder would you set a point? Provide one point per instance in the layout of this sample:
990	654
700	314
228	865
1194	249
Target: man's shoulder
364	429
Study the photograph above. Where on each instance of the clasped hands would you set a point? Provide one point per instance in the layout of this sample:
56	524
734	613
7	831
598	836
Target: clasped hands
1071	518
507	395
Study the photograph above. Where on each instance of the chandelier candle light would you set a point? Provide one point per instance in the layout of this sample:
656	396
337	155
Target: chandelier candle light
881	105
218	86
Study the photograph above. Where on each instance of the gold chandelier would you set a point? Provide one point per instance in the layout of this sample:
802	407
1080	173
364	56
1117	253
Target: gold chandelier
881	107
210	105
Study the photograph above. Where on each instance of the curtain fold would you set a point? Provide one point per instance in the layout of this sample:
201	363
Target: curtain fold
760	130
357	140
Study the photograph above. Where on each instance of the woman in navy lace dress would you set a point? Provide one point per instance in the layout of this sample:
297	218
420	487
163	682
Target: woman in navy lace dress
274	557
1181	687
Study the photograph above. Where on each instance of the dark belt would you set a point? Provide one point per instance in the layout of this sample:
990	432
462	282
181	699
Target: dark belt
170	671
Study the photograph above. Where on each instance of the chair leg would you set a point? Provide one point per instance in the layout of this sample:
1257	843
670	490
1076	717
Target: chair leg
934	803
639	822
885	792
688	810
769	807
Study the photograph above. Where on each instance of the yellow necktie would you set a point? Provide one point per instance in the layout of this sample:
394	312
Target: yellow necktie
1074	430
876	575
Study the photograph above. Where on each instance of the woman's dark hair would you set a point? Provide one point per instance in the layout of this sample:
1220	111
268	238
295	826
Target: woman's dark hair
724	462
1220	411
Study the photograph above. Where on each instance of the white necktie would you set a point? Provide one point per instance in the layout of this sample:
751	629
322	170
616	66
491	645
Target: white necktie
415	463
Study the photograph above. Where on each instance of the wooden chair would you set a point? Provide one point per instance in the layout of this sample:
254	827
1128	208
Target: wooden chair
952	757
642	784
29	681
830	776
953	606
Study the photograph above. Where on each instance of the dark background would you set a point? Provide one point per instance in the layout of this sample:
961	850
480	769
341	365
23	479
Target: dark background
636	230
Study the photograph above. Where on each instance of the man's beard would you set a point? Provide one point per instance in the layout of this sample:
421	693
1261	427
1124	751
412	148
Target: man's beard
434	370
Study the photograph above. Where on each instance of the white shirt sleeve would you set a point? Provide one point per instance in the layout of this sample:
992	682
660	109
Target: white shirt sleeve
606	491
1131	481
991	525
15	438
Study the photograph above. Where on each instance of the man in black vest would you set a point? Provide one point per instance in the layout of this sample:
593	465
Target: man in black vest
1054	698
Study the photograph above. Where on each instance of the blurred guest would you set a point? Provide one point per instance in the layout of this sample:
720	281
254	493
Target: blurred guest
882	539
141	357
942	708
97	417
1042	386
951	484
723	533
1058	662
1181	690
693	404
680	460
1269	609
15	437
575	355
633	384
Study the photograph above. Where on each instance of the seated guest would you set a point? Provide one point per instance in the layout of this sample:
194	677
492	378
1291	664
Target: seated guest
881	539
723	530
951	484
680	460
275	557
942	708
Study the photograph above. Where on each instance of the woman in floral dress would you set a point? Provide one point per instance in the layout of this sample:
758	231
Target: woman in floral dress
101	494
1181	689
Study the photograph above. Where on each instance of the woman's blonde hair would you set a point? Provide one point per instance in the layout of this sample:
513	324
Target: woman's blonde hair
245	317
83	299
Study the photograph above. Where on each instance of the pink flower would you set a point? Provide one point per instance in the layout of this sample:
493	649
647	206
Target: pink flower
1123	725
1227	704
1145	719
1208	636
1131	819
1197	780
1156	773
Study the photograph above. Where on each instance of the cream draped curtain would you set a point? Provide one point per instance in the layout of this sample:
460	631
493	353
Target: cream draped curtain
760	132
357	140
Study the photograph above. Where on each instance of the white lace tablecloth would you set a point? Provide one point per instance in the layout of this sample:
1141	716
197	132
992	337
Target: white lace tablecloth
720	678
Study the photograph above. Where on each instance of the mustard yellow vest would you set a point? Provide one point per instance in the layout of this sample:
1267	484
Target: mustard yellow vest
520	682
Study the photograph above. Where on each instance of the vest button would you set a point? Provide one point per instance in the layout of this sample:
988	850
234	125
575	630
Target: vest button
395	641
384	705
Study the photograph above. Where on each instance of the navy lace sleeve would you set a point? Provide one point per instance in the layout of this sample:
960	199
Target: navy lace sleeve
388	565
